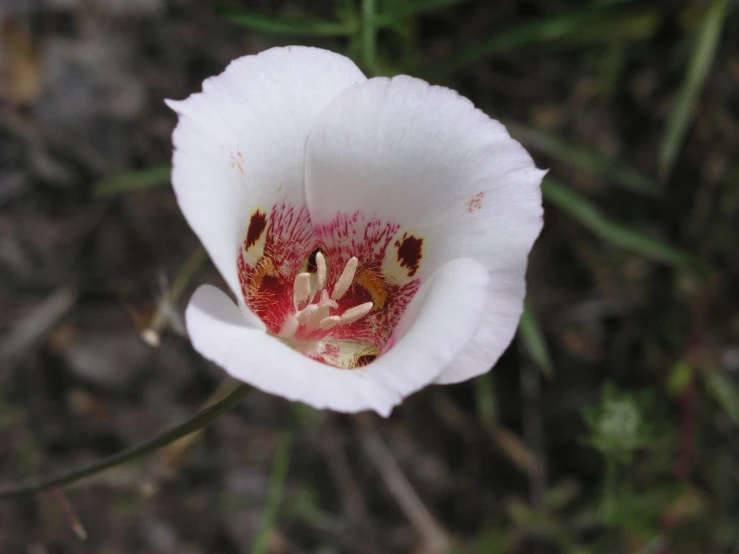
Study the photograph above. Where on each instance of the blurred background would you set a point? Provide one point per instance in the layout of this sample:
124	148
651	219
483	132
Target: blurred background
611	424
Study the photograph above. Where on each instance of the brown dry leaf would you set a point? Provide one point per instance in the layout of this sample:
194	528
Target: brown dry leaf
20	75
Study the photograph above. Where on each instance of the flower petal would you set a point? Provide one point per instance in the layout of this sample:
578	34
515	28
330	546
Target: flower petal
239	145
452	179
502	313
442	318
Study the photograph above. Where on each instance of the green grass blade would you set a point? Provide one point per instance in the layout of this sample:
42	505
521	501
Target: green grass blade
725	392
406	8
369	36
533	340
485	402
624	176
202	418
306	27
616	234
582	26
610	70
274	496
700	63
132	180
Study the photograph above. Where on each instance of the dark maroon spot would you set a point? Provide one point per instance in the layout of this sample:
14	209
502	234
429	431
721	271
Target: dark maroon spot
355	296
257	225
270	285
312	267
409	253
365	359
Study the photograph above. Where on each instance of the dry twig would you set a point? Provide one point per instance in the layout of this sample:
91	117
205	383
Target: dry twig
30	329
434	538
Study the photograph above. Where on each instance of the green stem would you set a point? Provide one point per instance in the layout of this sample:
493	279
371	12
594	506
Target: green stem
369	35
132	180
277	26
198	421
534	342
274	497
608	500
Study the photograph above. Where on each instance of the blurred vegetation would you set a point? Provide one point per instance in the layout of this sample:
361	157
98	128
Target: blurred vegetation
628	445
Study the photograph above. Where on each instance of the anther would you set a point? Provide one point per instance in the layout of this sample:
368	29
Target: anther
355	313
301	288
329	322
345	281
321	271
311	314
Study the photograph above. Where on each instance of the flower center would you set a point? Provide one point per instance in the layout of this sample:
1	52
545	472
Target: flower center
333	292
312	318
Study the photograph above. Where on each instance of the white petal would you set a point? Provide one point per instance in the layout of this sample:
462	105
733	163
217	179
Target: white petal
240	143
439	322
502	313
425	158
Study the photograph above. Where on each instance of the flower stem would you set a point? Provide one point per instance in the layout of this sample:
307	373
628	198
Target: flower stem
369	36
173	453
608	499
274	497
195	423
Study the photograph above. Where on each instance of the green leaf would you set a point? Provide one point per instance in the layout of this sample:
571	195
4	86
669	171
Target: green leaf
195	423
404	8
615	233
306	26
680	377
582	26
132	180
700	63
618	425
274	496
624	176
485	402
533	340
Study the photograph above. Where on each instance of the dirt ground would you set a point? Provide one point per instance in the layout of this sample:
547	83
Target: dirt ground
525	460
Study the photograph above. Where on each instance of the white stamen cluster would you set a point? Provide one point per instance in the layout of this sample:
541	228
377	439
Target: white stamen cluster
317	315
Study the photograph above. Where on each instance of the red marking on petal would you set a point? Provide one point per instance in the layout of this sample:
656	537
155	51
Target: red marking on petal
257	225
290	246
367	238
237	161
409	253
267	286
331	351
354	234
475	202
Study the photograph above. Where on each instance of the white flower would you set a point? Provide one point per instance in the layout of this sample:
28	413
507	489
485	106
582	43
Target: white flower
375	232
